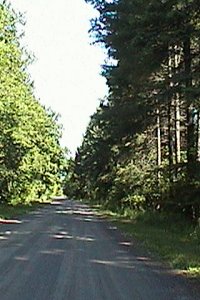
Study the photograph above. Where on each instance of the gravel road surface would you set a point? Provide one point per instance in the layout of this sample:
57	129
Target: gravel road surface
64	251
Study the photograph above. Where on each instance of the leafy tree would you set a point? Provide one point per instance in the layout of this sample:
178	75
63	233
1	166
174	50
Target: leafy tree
31	158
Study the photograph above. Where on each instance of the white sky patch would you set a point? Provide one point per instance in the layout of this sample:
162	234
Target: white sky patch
67	68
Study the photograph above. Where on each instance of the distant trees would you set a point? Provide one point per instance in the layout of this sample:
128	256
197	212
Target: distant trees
31	158
152	135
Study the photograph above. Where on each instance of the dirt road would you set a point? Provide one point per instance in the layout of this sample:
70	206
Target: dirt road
64	251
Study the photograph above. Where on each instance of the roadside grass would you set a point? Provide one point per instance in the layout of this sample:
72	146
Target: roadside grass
170	238
13	210
9	211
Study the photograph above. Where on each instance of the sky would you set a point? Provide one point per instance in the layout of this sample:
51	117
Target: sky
67	68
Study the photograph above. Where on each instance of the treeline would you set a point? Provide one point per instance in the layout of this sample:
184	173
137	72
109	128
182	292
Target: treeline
31	159
141	149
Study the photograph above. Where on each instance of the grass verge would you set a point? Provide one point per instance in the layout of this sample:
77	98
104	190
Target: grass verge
170	238
8	211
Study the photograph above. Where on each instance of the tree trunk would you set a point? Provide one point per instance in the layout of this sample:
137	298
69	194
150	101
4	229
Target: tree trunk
169	113
177	129
159	155
191	157
198	138
170	141
177	60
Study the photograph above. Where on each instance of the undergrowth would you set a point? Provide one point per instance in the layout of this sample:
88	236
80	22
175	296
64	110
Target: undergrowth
170	237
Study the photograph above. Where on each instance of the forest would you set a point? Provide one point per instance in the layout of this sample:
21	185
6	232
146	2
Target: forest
141	149
32	161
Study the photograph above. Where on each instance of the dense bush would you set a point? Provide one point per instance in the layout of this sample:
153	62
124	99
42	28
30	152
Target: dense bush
31	159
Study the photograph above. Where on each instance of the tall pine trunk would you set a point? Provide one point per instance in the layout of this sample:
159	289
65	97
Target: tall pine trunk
169	114
159	155
191	156
198	137
177	130
177	111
